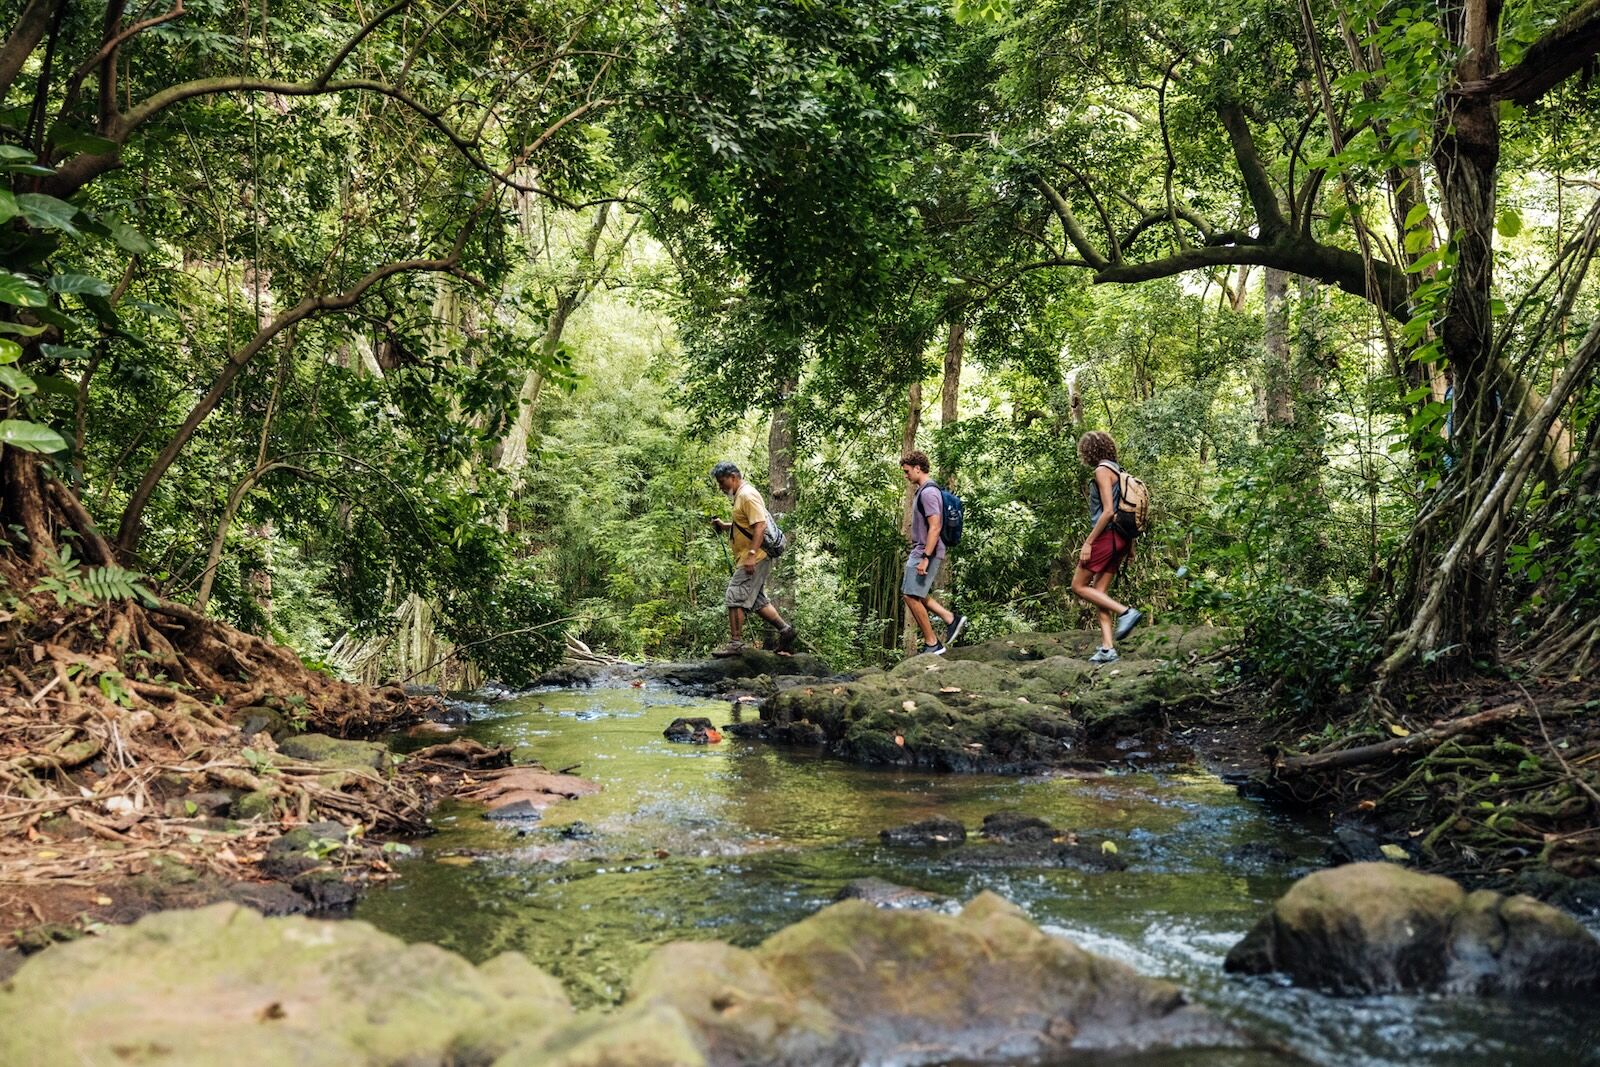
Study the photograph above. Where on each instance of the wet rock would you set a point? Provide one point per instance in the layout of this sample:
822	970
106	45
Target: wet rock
1257	855
927	833
1014	826
1063	853
319	748
1354	843
855	984
693	731
200	805
712	675
430	729
326	889
258	803
1581	895
210	986
580	675
882	894
259	719
304	848
1378	927
804	734
1018	704
523	792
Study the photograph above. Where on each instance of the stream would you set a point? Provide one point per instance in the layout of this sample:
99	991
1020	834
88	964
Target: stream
736	840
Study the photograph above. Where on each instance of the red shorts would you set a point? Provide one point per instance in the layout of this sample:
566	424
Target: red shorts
1108	552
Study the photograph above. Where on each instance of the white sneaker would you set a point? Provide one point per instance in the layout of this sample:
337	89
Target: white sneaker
1104	655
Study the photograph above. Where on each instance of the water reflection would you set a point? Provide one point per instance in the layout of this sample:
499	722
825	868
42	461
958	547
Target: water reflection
737	840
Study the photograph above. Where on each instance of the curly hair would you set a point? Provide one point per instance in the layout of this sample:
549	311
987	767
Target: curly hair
915	459
1095	447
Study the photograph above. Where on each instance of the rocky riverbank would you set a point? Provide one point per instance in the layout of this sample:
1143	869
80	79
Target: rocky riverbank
851	984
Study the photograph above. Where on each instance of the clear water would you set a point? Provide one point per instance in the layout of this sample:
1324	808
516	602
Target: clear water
736	840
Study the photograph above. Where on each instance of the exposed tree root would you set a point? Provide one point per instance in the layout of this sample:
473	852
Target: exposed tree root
113	716
1478	792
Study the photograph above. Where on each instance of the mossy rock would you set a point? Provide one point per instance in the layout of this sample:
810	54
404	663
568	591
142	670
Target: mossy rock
858	984
1380	928
1015	704
319	748
200	987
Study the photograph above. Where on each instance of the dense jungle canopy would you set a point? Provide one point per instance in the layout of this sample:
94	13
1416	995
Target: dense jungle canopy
406	336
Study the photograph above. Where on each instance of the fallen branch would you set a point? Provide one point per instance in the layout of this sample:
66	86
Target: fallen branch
1421	741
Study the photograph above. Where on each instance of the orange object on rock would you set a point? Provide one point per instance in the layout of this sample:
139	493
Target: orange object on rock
713	737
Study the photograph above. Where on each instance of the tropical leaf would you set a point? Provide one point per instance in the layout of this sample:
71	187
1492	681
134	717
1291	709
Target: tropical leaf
30	436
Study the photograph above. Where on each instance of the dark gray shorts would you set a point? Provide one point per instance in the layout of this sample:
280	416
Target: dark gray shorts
749	591
920	585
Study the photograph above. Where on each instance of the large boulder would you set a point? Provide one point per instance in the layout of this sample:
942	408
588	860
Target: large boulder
1378	927
715	675
225	985
855	984
1015	704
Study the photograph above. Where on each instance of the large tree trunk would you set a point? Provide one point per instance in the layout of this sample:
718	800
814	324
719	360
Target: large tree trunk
909	635
1466	157
1277	374
780	497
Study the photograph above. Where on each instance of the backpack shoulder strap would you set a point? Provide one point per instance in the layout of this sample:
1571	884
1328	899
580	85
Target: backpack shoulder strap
920	490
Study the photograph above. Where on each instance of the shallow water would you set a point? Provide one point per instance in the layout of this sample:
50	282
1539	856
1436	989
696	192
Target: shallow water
736	840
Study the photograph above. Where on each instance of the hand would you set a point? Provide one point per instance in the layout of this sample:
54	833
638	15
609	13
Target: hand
922	567
719	526
749	568
1083	553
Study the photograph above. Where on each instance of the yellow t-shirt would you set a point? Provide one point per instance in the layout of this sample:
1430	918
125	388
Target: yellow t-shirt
748	509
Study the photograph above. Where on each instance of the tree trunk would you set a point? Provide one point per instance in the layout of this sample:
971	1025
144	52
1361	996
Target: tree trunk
1466	156
950	388
1277	377
908	628
780	498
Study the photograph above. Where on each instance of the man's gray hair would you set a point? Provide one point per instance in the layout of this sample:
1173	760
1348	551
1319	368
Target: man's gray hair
725	469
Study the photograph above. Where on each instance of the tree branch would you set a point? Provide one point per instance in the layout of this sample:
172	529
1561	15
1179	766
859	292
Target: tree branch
1269	214
1069	225
1569	47
23	39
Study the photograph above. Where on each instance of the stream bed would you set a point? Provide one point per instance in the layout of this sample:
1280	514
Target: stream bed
736	840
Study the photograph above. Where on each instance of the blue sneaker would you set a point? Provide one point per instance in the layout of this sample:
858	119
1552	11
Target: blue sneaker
1104	655
954	630
935	649
1127	621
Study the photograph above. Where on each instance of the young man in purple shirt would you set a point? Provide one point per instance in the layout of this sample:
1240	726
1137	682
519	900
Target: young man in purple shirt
926	557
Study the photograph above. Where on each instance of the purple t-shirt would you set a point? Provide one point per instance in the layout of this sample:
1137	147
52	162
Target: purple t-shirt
929	501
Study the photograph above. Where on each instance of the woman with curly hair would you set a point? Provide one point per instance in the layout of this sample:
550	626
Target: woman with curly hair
1105	549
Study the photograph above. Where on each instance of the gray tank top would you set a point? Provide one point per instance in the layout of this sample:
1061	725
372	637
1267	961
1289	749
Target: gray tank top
1094	492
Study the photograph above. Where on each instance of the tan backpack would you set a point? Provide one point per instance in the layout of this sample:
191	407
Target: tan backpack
1132	515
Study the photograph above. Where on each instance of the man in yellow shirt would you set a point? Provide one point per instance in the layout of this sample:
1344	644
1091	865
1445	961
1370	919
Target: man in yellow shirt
747	587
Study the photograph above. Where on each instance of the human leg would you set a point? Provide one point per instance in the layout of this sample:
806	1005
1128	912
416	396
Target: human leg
1101	583
1084	587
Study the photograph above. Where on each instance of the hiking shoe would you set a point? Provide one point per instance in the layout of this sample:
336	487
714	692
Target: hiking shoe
935	649
1104	655
1127	621
786	639
729	650
954	630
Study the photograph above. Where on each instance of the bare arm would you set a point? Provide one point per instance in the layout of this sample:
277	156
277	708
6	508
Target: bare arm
757	532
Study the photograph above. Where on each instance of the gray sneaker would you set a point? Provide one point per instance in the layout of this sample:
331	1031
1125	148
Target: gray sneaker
1127	621
1104	655
935	649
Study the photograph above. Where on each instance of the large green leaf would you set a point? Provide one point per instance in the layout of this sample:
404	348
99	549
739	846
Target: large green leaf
47	212
79	284
129	239
30	436
20	330
73	140
8	205
10	351
21	292
16	384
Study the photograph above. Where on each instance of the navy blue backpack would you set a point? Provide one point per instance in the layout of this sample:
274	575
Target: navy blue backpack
950	528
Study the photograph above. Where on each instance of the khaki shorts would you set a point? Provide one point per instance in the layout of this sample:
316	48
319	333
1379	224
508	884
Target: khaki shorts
749	591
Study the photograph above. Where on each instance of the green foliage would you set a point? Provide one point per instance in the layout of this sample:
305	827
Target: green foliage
69	582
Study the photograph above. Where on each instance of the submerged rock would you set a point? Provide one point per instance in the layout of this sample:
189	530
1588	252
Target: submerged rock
882	894
225	985
524	792
1014	826
929	832
854	984
1378	927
